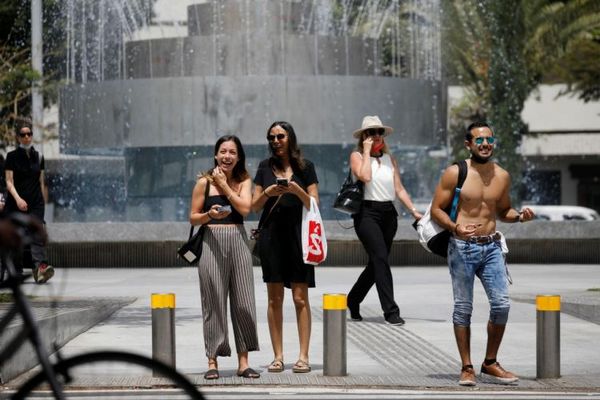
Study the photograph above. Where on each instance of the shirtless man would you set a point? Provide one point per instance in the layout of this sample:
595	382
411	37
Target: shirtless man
474	249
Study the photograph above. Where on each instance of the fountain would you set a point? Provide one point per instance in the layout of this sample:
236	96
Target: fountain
142	115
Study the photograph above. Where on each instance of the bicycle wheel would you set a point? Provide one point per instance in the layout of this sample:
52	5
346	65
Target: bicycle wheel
82	371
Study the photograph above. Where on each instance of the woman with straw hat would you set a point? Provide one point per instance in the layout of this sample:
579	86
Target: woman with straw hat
376	223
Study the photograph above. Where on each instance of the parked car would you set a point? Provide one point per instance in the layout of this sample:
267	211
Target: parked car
564	213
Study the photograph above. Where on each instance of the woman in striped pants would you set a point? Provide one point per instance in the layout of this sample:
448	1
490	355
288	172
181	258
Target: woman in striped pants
225	267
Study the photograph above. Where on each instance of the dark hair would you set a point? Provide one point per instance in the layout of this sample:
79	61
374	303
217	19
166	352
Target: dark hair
294	153
23	124
239	172
476	124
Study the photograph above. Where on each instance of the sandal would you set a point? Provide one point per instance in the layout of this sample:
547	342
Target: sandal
276	366
248	373
301	367
211	374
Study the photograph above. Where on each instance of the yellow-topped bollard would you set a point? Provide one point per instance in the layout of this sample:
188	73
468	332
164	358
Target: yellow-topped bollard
334	334
163	328
548	336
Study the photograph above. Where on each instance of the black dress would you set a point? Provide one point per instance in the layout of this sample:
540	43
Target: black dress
279	244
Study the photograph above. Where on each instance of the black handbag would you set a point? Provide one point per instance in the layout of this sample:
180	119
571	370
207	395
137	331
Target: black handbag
192	249
349	198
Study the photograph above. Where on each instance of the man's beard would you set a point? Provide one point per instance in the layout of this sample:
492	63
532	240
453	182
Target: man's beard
481	160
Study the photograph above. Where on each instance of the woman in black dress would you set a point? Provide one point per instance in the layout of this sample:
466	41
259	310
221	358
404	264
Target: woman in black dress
284	184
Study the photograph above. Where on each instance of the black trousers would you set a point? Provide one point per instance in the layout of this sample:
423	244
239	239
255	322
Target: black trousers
35	253
376	225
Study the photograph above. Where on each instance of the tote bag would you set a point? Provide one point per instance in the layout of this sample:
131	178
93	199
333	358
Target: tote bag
433	237
314	242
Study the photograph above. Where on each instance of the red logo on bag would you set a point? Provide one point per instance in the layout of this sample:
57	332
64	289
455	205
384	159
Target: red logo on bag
315	242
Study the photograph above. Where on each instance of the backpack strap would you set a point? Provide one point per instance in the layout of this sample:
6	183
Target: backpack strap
462	176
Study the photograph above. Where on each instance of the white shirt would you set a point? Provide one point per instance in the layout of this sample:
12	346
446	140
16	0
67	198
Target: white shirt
381	186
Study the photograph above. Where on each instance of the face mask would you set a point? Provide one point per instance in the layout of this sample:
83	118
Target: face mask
377	147
25	146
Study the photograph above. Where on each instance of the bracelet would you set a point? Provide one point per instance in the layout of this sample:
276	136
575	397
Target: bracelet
208	215
266	194
455	231
413	210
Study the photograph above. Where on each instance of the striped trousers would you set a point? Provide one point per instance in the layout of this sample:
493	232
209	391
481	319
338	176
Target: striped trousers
225	270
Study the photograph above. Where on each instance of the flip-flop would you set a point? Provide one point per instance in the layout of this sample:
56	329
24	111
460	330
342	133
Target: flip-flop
248	373
211	374
301	367
276	366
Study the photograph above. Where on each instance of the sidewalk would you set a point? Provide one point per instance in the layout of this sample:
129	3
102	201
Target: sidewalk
421	354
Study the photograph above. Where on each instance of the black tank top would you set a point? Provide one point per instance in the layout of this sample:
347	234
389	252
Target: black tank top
233	218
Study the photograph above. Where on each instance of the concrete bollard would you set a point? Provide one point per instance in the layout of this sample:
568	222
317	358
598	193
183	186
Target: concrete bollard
163	328
334	334
548	336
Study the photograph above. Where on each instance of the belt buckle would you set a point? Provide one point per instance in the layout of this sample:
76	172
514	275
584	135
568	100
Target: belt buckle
482	239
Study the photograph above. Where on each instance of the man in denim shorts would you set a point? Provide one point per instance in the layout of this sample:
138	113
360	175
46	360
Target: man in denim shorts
475	249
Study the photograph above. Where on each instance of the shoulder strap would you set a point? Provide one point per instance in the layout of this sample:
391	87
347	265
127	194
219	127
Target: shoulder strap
350	179
206	190
462	173
462	176
266	216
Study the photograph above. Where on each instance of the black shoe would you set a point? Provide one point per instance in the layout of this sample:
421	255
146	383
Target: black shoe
355	313
395	320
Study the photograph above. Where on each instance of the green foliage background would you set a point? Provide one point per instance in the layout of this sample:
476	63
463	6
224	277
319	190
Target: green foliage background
499	51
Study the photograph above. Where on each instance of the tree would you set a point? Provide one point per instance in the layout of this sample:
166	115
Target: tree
16	74
16	78
500	51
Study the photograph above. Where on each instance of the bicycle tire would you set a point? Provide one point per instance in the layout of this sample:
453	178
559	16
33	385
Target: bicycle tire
62	368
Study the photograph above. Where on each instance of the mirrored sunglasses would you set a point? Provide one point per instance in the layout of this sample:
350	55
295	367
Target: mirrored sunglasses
479	141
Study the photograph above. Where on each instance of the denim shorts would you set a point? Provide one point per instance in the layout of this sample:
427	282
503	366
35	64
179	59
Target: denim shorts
467	260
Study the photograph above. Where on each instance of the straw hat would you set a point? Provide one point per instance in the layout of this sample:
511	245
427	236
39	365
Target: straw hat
369	122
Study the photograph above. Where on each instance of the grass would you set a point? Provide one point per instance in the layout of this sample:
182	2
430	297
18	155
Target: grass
594	289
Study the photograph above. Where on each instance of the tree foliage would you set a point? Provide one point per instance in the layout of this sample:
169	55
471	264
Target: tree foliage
501	50
16	74
579	68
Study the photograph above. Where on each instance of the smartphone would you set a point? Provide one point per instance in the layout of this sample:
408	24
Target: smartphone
282	181
224	208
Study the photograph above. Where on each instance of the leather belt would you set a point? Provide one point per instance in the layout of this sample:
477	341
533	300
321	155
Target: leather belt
484	239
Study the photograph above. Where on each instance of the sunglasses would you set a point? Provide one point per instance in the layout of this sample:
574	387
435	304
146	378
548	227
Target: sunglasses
25	134
479	141
373	132
279	136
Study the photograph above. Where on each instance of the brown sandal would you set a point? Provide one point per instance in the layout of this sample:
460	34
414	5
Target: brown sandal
276	366
301	367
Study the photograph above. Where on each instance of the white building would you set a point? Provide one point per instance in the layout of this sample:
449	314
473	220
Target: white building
564	145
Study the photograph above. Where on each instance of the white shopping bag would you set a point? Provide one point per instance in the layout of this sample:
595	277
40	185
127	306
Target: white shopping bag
314	243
